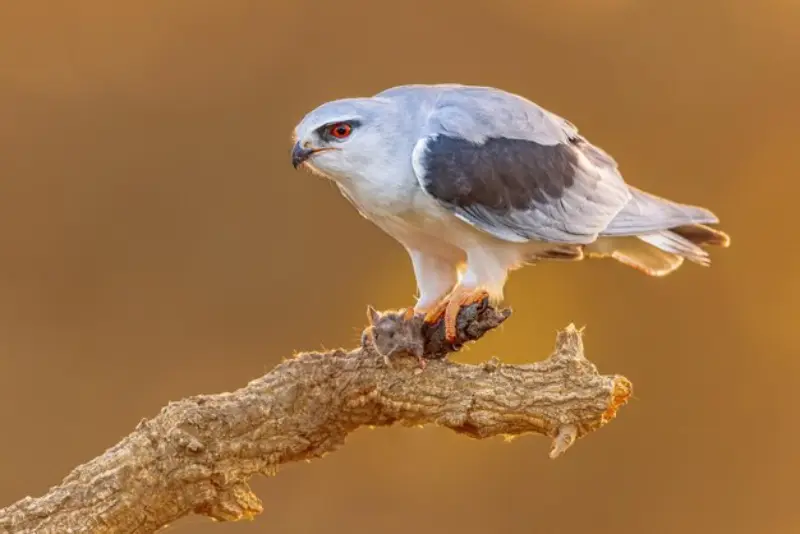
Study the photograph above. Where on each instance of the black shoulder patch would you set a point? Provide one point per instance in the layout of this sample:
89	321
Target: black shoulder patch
500	175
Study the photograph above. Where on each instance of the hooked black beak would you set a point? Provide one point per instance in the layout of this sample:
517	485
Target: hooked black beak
300	154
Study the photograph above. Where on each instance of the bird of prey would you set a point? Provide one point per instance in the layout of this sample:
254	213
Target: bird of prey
475	182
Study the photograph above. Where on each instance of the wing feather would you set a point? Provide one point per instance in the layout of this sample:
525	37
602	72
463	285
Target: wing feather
514	170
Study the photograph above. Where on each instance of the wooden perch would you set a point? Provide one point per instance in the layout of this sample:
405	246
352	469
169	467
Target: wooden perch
197	455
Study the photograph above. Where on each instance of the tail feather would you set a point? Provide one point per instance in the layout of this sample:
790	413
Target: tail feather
676	244
703	235
655	235
650	213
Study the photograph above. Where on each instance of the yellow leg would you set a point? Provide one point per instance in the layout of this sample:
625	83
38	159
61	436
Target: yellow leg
451	305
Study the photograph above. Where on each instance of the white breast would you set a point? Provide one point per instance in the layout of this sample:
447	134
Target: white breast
400	207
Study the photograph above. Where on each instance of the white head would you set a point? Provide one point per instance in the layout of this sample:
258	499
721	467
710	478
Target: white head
349	139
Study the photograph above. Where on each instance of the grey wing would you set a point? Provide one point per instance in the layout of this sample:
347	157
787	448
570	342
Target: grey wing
514	170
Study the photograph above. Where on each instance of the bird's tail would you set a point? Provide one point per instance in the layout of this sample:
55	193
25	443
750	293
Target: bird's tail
655	235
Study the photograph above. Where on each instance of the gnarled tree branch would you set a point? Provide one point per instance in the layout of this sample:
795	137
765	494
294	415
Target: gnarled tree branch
197	455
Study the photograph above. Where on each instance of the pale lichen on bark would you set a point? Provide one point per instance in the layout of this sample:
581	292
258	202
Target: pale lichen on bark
197	454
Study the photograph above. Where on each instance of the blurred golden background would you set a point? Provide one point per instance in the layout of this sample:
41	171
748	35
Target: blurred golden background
156	243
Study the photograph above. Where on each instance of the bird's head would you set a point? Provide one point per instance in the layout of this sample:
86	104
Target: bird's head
345	139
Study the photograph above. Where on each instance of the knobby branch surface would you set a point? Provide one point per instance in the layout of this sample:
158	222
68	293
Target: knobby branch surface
197	454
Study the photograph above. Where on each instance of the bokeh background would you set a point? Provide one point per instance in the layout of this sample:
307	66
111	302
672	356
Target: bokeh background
156	243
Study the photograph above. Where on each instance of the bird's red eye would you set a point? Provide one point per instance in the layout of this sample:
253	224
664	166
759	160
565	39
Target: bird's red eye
340	130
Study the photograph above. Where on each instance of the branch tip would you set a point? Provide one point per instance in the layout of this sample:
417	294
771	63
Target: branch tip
569	343
565	438
620	394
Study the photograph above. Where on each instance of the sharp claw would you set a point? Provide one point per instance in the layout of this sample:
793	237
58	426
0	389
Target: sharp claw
454	306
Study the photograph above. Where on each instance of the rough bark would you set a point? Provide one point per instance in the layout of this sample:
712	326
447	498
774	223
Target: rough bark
197	454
